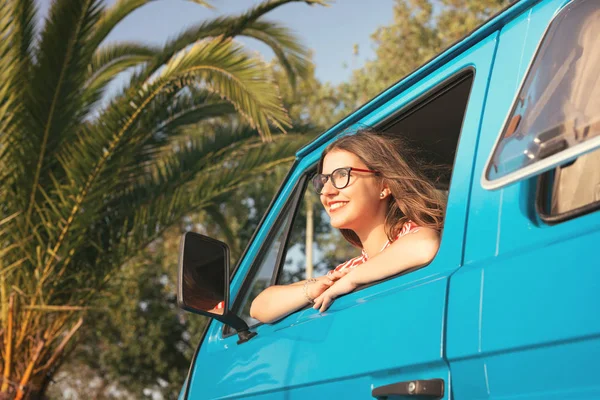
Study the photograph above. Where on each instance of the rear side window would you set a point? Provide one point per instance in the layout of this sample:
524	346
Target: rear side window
558	105
570	190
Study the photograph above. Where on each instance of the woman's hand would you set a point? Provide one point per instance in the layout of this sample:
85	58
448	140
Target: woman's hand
323	283
342	286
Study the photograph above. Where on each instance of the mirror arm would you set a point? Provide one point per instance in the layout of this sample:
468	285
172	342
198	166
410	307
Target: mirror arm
240	326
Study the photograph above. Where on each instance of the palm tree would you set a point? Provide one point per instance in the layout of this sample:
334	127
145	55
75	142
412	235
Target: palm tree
85	184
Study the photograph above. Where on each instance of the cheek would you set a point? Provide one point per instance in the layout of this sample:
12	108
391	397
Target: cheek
362	199
365	205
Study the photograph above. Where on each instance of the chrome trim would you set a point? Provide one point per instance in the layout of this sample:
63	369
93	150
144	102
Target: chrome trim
543	165
550	162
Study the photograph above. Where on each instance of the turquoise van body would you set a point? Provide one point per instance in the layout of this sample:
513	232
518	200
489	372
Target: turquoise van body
509	306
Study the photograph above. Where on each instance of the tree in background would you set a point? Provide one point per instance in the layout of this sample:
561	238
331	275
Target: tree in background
420	30
309	101
141	341
85	186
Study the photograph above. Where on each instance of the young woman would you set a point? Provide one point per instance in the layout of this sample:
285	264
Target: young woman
382	204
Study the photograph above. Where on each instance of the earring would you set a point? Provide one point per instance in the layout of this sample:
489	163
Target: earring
382	195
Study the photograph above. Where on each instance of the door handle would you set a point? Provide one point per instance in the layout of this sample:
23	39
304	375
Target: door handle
423	389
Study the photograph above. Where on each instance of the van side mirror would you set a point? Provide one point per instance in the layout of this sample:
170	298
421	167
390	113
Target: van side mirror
203	281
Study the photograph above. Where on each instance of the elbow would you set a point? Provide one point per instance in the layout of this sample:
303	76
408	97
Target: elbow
429	249
257	311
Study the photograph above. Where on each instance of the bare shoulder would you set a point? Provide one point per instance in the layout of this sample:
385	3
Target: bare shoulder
423	243
425	233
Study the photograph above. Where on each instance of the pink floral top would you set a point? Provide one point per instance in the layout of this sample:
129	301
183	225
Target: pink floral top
409	227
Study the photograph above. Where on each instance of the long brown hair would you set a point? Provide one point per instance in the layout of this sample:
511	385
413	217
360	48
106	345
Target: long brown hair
413	196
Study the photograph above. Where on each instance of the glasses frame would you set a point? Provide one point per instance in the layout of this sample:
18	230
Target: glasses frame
328	177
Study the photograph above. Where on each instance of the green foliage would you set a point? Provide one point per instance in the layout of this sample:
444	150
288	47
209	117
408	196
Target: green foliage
84	187
309	101
417	34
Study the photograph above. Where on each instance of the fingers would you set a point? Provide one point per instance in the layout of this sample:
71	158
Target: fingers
326	284
318	302
335	275
322	285
326	303
323	302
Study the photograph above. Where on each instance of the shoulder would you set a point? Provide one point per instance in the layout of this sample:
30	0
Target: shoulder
408	227
413	233
417	243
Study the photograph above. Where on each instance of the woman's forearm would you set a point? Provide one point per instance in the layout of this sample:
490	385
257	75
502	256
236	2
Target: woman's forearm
275	302
410	253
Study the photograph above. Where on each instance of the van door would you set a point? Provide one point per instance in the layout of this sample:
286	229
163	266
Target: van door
523	311
384	337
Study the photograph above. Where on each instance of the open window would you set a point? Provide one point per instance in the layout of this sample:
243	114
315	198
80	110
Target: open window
555	117
432	125
303	244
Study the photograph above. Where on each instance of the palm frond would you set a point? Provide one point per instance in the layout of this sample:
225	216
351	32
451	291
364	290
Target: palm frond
25	27
58	77
220	66
110	60
293	56
170	112
203	3
8	64
286	47
167	118
13	146
111	16
217	217
117	12
162	209
186	155
242	80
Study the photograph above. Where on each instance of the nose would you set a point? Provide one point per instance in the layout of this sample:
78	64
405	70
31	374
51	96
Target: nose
328	189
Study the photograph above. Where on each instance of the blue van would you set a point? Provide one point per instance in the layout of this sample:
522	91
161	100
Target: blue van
508	308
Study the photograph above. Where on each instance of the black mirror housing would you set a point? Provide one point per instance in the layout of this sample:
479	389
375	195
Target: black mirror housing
203	281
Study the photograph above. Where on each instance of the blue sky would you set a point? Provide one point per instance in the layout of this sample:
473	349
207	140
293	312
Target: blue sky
330	32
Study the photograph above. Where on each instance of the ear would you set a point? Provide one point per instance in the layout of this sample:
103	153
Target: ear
385	192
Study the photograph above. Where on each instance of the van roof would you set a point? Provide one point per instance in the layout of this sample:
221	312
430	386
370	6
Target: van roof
491	25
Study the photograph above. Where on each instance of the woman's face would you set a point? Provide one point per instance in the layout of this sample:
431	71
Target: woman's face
357	206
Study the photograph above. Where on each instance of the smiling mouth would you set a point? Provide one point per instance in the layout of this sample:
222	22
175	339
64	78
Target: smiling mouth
337	206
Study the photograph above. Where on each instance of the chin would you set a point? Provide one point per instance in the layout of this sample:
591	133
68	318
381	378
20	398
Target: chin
342	224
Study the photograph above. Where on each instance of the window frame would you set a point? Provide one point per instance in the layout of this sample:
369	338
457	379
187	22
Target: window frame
307	174
429	96
292	205
550	162
543	186
284	218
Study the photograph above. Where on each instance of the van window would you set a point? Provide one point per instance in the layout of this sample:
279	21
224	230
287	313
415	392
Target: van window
263	275
558	105
571	190
307	246
431	126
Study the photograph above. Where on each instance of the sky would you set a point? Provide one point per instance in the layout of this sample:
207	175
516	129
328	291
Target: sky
330	32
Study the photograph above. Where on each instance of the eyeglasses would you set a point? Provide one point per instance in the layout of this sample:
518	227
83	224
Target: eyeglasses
340	178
